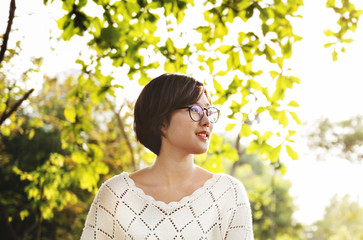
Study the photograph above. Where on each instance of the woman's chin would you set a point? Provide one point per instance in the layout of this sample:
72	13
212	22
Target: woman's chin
200	151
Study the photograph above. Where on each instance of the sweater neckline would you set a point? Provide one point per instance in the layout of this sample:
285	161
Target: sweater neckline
150	199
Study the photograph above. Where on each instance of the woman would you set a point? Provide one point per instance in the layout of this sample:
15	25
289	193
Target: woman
173	198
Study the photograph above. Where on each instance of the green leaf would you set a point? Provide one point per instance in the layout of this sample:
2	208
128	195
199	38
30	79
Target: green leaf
63	22
82	3
293	104
210	63
260	110
287	50
249	11
222	73
265	29
68	5
31	134
330	3
291	133
218	87
200	46
252	148
56	159
225	48
220	30
282	117
206	32
79	157
280	62
274	74
23	214
229	152
255	85
68	31
282	169
233	60
266	135
88	180
230	126
169	67
329	33
245	130
294	79
348	40
292	154
143	80
335	55
70	113
95	152
179	16
327	45
270	53
295	117
5	130
275	154
111	35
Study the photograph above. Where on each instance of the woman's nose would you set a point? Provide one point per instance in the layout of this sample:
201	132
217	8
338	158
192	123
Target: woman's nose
205	120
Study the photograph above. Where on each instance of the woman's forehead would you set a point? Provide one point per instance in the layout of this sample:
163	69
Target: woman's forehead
203	101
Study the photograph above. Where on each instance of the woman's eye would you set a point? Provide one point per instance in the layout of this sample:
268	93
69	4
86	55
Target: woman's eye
195	109
211	112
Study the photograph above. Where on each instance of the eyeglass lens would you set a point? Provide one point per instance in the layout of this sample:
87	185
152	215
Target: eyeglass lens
197	112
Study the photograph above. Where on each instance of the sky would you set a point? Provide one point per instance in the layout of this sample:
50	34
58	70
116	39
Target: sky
327	89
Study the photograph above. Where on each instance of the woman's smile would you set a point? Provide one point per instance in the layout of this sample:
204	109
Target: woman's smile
204	135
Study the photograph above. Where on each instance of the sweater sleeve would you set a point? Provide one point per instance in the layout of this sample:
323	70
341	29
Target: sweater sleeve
240	220
100	222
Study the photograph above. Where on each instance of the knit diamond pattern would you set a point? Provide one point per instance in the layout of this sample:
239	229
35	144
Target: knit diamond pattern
218	210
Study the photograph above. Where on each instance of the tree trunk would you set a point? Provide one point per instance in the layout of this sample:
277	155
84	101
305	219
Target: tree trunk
4	216
239	160
4	46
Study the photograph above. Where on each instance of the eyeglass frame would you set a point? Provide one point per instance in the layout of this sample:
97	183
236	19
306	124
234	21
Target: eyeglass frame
204	110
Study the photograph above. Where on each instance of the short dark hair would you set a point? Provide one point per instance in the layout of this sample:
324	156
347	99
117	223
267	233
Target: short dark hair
158	100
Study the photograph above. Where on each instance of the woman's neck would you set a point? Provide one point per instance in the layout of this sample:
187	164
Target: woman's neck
173	170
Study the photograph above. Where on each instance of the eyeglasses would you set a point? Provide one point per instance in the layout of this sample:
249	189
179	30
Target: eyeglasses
196	113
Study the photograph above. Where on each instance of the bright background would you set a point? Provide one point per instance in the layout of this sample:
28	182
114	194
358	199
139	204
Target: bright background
328	89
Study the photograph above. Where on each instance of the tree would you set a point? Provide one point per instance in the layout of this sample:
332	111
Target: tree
250	75
54	185
7	104
341	139
126	34
272	206
12	96
343	219
348	17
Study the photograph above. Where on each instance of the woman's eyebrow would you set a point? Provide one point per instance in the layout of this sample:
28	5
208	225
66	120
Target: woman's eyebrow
206	105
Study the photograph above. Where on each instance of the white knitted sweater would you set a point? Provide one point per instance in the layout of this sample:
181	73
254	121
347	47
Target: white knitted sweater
218	210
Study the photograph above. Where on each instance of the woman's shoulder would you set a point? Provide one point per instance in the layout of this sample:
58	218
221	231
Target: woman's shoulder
229	180
228	184
116	185
116	179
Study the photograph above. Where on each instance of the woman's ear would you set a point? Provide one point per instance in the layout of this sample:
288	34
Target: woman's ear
163	128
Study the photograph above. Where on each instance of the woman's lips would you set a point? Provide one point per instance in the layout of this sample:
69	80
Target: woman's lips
203	135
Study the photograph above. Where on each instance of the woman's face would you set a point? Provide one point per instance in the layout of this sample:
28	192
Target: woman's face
185	135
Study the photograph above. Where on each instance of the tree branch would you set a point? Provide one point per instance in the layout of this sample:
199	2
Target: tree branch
122	127
7	114
124	134
4	46
239	160
4	217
